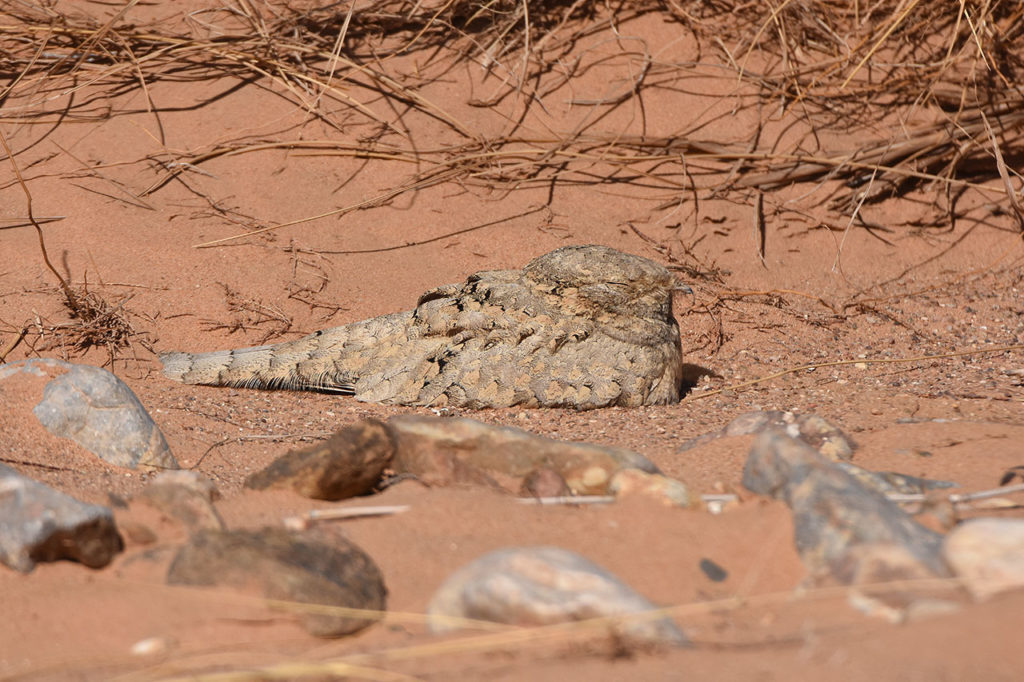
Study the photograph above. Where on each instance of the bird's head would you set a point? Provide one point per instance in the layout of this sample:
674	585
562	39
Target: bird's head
607	284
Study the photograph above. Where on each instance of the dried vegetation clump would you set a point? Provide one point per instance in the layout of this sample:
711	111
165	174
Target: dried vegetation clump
930	90
838	65
98	321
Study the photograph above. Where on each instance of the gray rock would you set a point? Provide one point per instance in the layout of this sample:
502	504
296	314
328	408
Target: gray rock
38	523
94	408
843	528
186	496
441	451
299	567
818	432
987	555
347	464
544	586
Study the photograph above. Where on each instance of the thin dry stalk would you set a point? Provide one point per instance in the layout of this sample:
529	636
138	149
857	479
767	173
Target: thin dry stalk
830	62
1011	193
69	296
96	322
251	313
18	336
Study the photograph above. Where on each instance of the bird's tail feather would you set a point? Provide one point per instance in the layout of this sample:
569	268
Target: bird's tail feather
268	367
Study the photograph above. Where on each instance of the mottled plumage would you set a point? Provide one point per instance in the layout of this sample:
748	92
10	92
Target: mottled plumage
582	327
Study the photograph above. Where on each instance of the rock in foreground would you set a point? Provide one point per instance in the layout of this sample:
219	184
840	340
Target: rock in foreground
442	451
987	555
633	482
347	464
94	408
38	523
458	451
843	528
818	432
187	496
544	586
280	565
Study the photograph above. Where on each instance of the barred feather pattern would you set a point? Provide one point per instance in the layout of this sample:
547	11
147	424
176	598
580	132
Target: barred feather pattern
580	327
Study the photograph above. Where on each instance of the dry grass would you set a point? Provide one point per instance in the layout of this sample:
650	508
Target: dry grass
939	77
832	64
249	314
94	320
99	321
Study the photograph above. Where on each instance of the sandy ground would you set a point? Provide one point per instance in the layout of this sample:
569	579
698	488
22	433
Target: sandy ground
894	300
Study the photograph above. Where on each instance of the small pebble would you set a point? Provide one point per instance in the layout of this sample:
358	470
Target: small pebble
713	571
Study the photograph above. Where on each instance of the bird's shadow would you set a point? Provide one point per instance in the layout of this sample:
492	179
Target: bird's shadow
691	376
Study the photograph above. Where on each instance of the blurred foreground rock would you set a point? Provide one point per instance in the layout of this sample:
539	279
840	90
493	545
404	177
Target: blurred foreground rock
987	555
38	523
187	496
843	528
633	482
94	408
442	451
543	586
349	463
890	482
818	432
287	566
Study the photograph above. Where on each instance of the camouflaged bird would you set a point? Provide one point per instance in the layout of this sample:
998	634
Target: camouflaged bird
580	327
